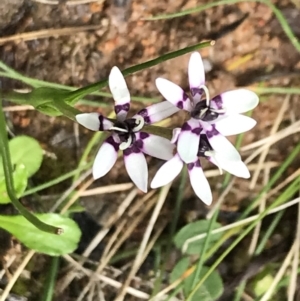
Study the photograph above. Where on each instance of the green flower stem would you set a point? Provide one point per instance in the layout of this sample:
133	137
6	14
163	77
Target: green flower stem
201	260
50	280
8	171
79	93
67	110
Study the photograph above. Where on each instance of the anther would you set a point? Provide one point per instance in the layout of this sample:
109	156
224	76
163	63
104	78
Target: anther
139	123
126	144
205	89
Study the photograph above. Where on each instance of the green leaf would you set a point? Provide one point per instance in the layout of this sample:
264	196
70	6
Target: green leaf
192	230
20	176
26	150
211	289
40	241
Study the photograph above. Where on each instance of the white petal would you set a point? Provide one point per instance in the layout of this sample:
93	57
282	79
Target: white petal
175	135
235	101
156	146
168	172
173	93
188	140
196	71
234	124
94	121
105	159
158	112
199	182
137	169
221	145
237	168
119	90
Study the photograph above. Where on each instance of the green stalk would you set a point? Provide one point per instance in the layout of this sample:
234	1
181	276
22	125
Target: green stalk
50	281
8	171
79	93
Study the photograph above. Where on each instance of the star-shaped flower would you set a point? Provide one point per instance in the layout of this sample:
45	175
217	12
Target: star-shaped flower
126	134
216	117
200	185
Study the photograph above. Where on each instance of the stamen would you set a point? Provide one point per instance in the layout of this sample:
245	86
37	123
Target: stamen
140	121
202	112
219	111
126	144
206	94
115	128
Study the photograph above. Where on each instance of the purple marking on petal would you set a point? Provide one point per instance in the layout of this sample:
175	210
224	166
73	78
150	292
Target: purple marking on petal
190	166
197	131
124	107
132	149
101	123
143	113
139	143
112	142
185	97
195	91
218	101
212	132
144	135
186	127
180	105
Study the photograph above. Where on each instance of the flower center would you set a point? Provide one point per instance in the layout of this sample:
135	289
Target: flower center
202	110
205	148
126	129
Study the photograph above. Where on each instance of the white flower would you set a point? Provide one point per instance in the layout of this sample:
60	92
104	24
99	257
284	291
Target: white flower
216	117
172	168
233	164
126	134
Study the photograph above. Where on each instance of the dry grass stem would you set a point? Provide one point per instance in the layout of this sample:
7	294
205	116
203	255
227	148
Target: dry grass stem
138	259
107	189
279	275
290	130
69	2
18	108
75	197
71	189
7	264
239	223
46	33
130	290
284	183
220	200
273	131
114	218
132	224
16	275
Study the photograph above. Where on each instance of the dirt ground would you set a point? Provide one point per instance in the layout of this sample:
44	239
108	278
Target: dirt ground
244	54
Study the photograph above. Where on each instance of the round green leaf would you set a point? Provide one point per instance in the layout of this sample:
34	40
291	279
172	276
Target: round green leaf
211	289
40	241
20	183
192	230
26	150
